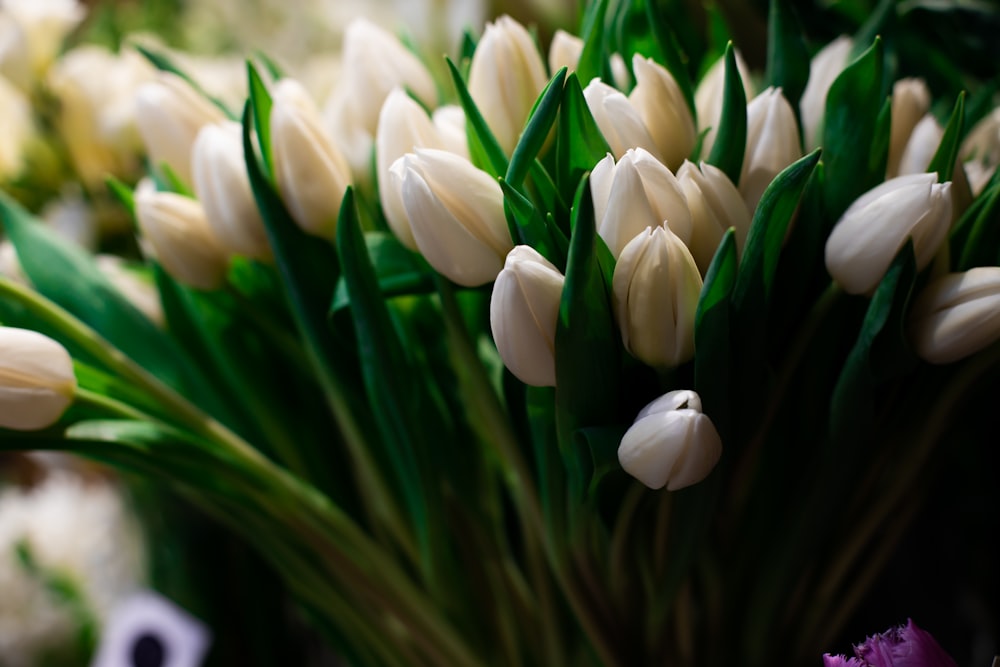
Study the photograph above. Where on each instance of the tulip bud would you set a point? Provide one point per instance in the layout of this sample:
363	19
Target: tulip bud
983	141
709	96
636	193
978	175
772	143
656	286
957	315
170	113
824	69
523	313
18	130
311	173
31	36
664	111
910	102
871	232
449	121
403	126
715	205
616	118
374	62
620	76
564	51
177	233
223	188
505	78
920	148
37	382
456	214
672	443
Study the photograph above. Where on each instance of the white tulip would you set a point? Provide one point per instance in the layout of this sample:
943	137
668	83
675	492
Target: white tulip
37	382
524	309
957	315
664	111
32	34
564	51
910	101
708	97
824	69
715	205
772	143
672	443
921	146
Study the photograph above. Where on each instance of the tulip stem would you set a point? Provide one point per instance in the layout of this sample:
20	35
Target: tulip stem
111	406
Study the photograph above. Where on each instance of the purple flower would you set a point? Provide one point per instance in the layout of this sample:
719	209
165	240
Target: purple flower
905	646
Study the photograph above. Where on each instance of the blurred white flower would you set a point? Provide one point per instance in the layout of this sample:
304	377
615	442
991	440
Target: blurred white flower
16	129
910	101
140	292
31	35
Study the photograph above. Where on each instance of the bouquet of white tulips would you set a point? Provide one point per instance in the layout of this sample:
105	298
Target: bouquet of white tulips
578	362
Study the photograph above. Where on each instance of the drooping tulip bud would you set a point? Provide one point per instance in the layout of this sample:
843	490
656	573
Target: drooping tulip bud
564	51
957	315
37	382
824	69
456	214
374	62
635	193
772	143
920	147
403	126
223	188
175	229
505	78
715	205
656	286
524	309
910	101
875	227
672	443
709	95
664	111
311	173
170	113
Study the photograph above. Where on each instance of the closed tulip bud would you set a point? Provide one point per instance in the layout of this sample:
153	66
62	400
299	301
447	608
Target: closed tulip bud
619	122
523	313
983	141
374	62
875	227
170	113
910	101
656	286
979	176
636	193
663	109
957	315
456	214
620	76
449	121
672	443
564	51
403	126
709	96
32	34
923	142
37	382
505	78
223	188
715	205
176	231
311	173
824	69
772	143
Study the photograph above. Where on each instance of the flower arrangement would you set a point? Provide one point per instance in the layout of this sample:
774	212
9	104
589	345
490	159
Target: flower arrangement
585	361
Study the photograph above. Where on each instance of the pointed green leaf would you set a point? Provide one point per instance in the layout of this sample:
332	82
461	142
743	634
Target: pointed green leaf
122	193
983	233
529	227
591	62
482	142
165	64
731	140
787	55
260	102
879	22
398	270
579	142
711	333
943	162
536	130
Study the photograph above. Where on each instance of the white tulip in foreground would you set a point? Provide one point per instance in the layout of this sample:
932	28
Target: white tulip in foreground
37	382
524	310
715	205
672	443
505	78
456	214
957	315
223	188
636	192
176	230
656	287
875	227
772	143
310	171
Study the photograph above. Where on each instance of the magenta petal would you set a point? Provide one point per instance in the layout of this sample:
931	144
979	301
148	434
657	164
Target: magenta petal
905	646
841	661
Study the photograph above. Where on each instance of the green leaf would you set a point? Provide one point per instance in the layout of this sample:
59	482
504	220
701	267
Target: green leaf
670	53
778	204
122	193
787	55
68	276
599	468
528	227
730	142
879	21
588	360
943	162
591	62
579	142
712	333
880	354
260	102
398	270
850	131
536	131
981	230
483	145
